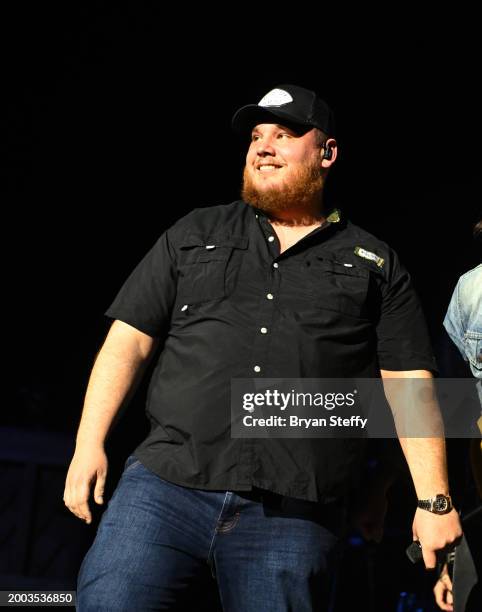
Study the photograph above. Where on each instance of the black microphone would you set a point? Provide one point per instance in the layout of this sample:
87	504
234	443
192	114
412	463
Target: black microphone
414	551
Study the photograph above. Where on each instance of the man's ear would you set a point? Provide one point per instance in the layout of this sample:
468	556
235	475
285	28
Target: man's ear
329	153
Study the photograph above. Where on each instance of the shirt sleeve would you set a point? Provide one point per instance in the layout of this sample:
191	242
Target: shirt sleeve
146	298
453	322
402	334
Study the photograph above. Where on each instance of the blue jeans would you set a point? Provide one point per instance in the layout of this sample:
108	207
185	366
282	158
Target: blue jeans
156	539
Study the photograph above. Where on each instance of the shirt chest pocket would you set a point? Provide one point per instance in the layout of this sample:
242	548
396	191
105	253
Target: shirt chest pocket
336	285
204	265
473	350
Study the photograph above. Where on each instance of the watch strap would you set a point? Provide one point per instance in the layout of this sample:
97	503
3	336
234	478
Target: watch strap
440	504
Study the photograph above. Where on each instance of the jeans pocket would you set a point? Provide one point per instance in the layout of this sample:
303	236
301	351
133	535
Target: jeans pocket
131	462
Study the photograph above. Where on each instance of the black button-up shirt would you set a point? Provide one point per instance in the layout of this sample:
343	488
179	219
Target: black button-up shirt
226	304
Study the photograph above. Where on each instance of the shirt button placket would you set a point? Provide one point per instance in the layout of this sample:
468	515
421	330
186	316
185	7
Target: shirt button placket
261	347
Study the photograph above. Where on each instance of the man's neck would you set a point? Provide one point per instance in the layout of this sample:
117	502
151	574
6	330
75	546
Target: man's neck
309	215
288	219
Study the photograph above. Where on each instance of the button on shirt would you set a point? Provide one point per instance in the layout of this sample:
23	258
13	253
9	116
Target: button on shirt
226	304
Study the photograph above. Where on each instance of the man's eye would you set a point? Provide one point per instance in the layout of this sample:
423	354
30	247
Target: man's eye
254	137
283	134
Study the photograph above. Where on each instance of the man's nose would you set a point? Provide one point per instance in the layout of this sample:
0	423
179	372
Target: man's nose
265	148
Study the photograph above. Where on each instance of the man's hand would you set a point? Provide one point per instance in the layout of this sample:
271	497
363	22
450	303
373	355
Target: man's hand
436	532
88	465
443	590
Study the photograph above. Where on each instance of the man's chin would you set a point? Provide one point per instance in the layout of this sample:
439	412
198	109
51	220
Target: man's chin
266	198
272	193
271	188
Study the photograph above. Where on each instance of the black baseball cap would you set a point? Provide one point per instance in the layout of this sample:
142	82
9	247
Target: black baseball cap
291	103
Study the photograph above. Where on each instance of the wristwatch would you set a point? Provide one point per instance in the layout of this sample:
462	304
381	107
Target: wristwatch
440	504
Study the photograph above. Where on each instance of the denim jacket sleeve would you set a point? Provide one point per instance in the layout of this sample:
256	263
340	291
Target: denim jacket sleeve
463	320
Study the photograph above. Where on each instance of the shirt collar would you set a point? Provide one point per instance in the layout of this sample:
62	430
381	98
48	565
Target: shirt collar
334	215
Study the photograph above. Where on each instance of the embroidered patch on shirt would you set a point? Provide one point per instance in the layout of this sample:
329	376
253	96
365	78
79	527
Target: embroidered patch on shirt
361	252
334	217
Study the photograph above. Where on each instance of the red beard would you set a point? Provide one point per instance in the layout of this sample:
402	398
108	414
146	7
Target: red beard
300	191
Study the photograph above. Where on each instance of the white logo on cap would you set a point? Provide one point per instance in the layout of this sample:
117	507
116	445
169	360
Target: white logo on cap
275	97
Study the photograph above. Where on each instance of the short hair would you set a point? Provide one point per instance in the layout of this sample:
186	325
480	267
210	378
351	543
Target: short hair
477	230
320	137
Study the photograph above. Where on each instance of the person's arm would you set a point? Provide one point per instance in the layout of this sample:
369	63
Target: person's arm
453	321
117	371
443	590
426	459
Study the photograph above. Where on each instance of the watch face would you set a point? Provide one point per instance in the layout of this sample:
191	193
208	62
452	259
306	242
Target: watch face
441	504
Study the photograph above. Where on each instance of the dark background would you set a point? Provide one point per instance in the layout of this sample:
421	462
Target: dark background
116	122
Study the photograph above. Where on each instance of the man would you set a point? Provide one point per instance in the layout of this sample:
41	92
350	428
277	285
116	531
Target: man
463	320
272	285
463	323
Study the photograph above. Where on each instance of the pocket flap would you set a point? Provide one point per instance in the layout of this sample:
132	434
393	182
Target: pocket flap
341	267
210	243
